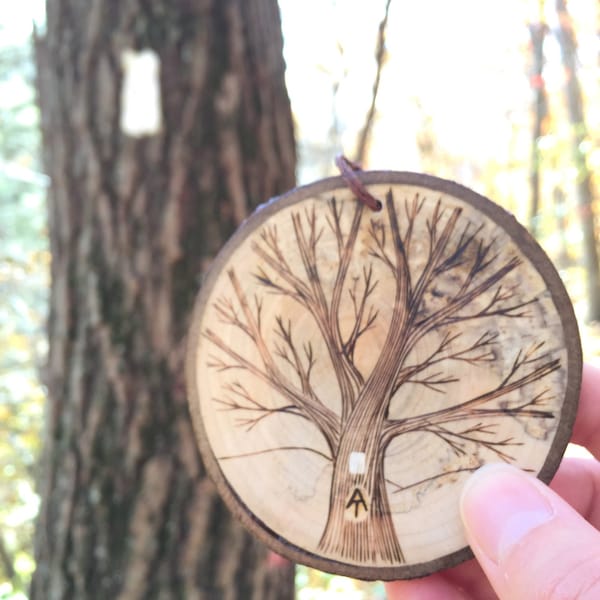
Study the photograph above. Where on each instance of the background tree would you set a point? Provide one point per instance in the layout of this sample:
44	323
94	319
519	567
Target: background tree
137	210
362	144
537	32
565	35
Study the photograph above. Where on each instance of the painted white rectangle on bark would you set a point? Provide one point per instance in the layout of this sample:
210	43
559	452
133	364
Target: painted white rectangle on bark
356	463
140	95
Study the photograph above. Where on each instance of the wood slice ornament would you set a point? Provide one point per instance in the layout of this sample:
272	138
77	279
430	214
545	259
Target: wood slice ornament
349	368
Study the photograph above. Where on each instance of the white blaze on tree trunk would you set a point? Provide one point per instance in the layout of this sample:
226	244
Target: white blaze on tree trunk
140	95
356	463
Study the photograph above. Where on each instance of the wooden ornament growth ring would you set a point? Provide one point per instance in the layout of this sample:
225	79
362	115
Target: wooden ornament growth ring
348	369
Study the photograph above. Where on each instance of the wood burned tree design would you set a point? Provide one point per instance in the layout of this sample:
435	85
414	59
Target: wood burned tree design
441	290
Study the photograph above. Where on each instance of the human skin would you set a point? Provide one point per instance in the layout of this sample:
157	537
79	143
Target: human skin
531	541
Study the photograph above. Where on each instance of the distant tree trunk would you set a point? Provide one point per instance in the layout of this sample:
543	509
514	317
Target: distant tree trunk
362	145
560	210
566	40
537	32
127	511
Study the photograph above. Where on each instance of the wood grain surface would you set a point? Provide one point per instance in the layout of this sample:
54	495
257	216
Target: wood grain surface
348	369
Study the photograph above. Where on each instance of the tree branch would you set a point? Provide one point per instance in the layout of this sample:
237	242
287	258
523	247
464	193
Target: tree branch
444	257
296	289
285	333
352	379
434	381
361	325
401	251
311	294
315	411
266	451
447	314
305	400
475	434
400	488
403	488
402	243
240	400
478	352
403	332
472	408
437	247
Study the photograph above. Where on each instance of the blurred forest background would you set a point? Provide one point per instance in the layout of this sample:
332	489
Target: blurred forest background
503	97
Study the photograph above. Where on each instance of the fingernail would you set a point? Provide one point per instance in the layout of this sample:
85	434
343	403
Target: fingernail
499	506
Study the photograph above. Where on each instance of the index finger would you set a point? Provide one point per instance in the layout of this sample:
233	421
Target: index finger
586	431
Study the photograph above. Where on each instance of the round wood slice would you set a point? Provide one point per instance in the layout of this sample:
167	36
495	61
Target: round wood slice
348	369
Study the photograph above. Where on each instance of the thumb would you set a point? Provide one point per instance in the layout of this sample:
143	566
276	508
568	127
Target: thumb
529	542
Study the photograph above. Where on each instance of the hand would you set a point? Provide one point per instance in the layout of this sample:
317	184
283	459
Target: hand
529	541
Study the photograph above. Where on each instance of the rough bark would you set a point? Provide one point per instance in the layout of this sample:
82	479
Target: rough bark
127	510
566	39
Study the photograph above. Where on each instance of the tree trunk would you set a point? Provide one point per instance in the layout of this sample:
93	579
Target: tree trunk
127	511
359	515
561	211
566	40
350	530
359	524
537	32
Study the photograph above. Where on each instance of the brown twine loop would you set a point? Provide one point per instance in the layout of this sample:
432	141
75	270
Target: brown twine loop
348	171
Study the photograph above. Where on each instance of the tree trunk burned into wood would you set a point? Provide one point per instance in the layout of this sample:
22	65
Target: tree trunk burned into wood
359	524
127	510
351	367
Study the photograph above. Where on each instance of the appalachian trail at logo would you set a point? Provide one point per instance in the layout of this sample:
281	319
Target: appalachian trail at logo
356	502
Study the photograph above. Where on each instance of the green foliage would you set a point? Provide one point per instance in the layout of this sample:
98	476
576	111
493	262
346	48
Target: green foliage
24	262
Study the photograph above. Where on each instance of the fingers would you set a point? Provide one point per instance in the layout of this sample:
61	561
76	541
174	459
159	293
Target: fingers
578	482
433	587
275	561
586	431
529	542
465	581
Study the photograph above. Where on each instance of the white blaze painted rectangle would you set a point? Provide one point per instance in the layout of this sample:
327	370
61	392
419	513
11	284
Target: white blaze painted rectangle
141	110
356	463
